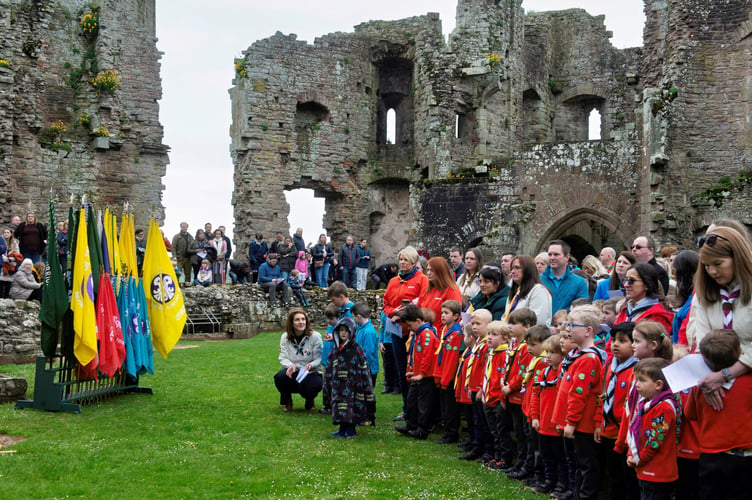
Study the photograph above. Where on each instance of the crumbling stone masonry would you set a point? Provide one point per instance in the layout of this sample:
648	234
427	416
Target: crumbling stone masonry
491	141
59	133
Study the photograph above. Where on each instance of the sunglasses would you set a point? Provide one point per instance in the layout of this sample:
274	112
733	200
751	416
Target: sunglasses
709	240
630	281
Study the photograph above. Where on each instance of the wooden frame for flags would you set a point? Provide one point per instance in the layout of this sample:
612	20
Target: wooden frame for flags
106	338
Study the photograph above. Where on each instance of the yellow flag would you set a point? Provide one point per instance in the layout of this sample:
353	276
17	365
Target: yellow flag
163	296
82	300
127	246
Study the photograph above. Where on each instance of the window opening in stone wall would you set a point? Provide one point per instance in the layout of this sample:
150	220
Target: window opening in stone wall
594	126
306	211
391	127
457	126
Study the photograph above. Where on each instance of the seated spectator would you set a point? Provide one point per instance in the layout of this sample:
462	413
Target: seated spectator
204	276
270	279
296	285
24	285
200	249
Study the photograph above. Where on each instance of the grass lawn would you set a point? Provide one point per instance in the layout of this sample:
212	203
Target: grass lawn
214	429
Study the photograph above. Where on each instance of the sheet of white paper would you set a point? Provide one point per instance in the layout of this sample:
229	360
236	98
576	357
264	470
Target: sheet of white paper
392	328
686	372
302	374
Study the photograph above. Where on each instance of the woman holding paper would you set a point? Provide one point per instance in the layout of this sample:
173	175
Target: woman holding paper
723	296
300	356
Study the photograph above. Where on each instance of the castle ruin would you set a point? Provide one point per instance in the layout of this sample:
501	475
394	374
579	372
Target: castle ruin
492	141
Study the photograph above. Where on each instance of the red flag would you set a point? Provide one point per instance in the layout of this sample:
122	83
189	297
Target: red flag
109	331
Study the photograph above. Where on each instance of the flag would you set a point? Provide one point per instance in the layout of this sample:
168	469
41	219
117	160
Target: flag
123	303
54	295
163	296
109	331
82	299
95	247
127	245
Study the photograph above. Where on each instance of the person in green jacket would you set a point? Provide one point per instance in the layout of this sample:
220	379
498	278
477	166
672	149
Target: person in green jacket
493	292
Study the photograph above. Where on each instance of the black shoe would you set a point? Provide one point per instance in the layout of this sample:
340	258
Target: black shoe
565	495
397	391
544	488
519	474
466	442
417	434
473	455
325	411
310	404
402	430
387	390
446	440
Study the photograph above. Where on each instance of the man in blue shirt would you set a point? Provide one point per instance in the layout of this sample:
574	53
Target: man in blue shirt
270	279
564	285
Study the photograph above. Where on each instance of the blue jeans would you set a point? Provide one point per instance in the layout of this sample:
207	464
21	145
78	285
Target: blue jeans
348	276
322	273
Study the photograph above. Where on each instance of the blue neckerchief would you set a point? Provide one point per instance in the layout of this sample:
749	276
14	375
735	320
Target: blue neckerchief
642	305
455	328
411	349
404	277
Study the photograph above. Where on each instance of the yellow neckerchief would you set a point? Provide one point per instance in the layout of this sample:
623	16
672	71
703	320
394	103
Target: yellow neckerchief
531	368
459	367
510	304
441	340
514	348
489	370
471	360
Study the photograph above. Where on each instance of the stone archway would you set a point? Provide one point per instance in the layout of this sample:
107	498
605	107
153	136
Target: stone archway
587	231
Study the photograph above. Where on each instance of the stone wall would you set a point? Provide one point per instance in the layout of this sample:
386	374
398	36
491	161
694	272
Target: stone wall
52	61
19	331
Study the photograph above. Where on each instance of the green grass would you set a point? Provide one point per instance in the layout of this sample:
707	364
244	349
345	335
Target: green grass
214	429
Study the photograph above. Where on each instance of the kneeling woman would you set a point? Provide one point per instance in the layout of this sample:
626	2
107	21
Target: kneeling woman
299	348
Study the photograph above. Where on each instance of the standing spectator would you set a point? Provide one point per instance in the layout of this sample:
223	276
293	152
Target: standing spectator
383	274
614	285
208	233
455	262
270	279
422	252
322	258
527	291
541	262
348	259
564	285
441	287
11	243
15	222
181	250
200	249
301	264
287	256
644	249
297	238
32	238
140	249
469	281
5	279
364	262
220	246
62	246
607	258
279	238
257	251
228	242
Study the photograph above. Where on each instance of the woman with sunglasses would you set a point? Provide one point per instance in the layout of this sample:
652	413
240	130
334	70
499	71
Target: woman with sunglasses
645	300
614	286
527	290
493	292
723	299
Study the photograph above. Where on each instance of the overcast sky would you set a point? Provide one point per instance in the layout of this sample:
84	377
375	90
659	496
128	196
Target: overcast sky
200	41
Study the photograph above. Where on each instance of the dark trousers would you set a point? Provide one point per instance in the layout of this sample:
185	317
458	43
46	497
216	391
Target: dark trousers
374	376
466	413
5	289
273	289
348	277
724	476
400	361
622	480
554	460
482	438
390	368
571	459
525	452
657	491
309	388
419	405
450	413
587	478
687	487
500	425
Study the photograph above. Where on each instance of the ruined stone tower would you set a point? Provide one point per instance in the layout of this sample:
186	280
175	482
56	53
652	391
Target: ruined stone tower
78	106
491	141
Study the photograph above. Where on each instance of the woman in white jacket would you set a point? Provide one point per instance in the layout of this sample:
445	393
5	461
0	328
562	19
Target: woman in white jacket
299	349
527	290
24	286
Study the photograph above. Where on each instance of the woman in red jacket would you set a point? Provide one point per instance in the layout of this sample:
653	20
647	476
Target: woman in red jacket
441	287
403	289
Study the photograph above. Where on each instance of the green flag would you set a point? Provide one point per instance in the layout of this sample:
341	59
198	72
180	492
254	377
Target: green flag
54	294
67	334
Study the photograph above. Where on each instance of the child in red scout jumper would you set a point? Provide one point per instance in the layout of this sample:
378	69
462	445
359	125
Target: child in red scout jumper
447	360
652	432
568	348
420	366
725	436
617	379
534	338
479	321
498	338
542	402
516	364
576	410
460	391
